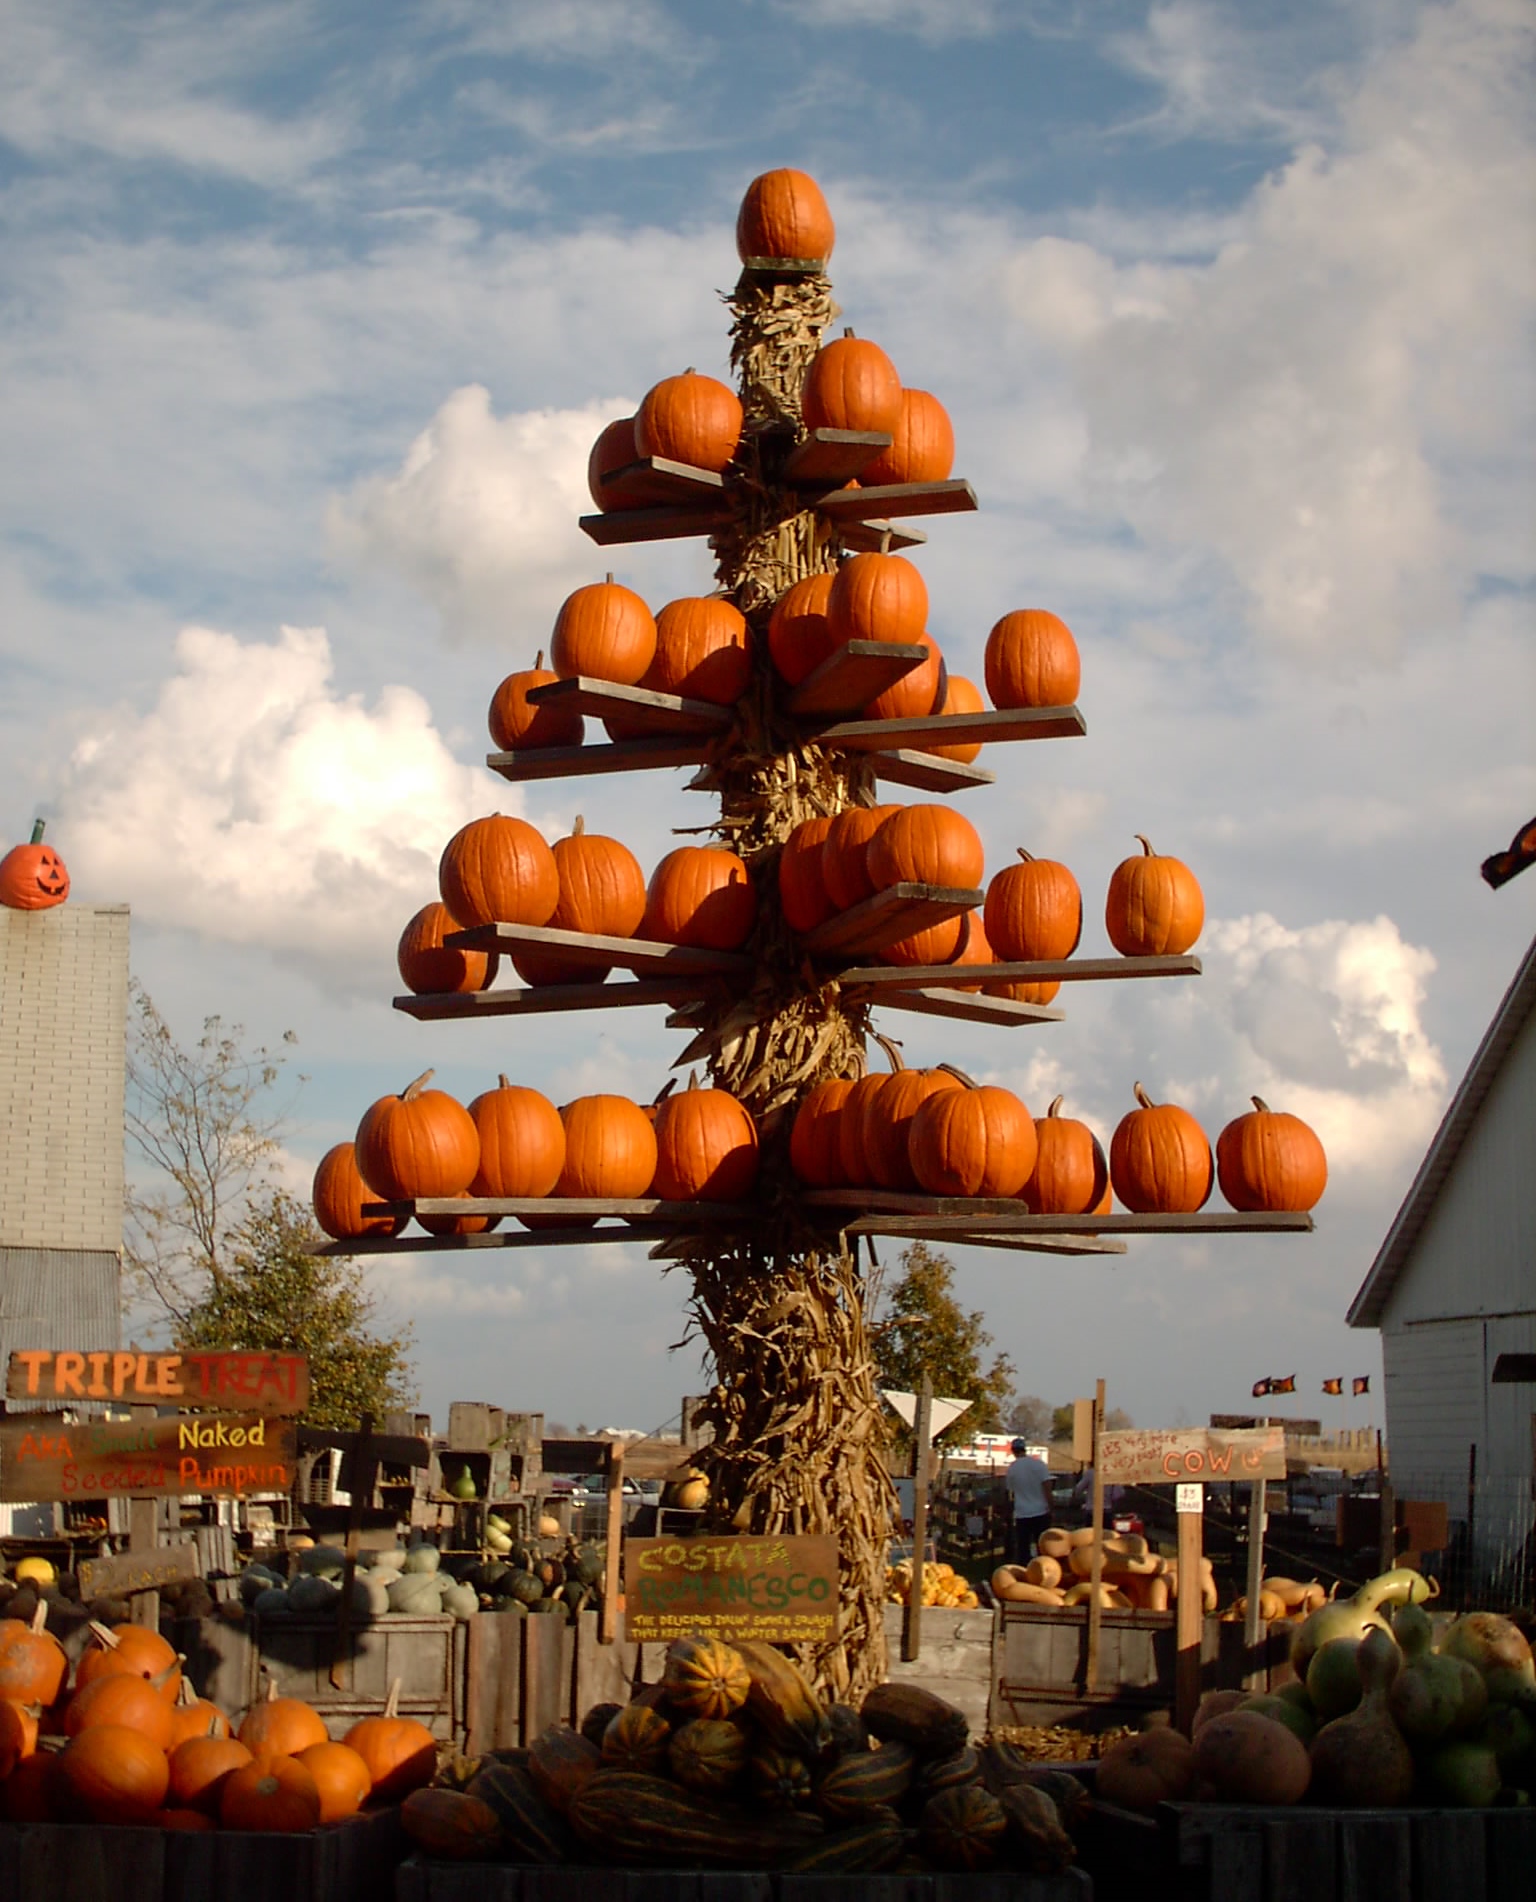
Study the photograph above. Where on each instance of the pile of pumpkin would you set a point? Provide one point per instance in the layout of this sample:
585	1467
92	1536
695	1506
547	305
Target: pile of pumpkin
1281	1601
942	1586
1132	1577
512	1142
129	1743
732	1761
421	1581
939	1132
1378	1716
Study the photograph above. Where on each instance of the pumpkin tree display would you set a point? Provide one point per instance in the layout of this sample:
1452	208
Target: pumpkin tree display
811	697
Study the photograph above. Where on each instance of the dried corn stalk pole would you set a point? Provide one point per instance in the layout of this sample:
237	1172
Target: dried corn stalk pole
797	1423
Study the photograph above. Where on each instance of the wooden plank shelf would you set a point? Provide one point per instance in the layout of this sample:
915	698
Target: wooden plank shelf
895	499
784	267
1042	1244
620	756
969	1007
431	1007
856	673
644	956
500	1238
949	729
885	977
628	1208
833	456
662	713
873	1210
928	773
620	526
657	481
897	912
873	538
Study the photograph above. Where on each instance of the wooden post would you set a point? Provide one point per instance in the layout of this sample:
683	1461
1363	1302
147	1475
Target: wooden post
1096	1573
1254	1678
922	1435
608	1611
364	1467
1190	1620
143	1537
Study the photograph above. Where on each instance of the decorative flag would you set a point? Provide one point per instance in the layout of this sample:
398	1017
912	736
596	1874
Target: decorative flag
1262	1387
1360	1384
1287	1385
1503	866
1334	1386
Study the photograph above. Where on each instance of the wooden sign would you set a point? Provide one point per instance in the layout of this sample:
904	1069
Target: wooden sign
136	1571
778	1590
44	1457
1151	1458
260	1383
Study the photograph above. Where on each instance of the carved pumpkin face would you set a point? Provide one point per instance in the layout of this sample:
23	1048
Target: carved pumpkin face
32	876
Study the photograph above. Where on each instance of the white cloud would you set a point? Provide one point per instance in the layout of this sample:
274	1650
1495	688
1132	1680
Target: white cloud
481	515
252	804
931	20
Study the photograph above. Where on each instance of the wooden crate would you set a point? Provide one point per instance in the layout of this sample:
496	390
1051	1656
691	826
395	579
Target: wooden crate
524	1674
422	1881
1217	1853
353	1861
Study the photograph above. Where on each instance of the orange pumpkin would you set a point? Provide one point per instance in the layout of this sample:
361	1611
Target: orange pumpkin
975	947
706	1147
498	869
703	650
516	721
1032	661
922	444
471	1222
1155	907
799	639
121	1701
1138	1773
614	450
429	966
605	631
877	597
602	893
194	1716
341	1778
961	696
690	418
522	1142
887	1124
1022	991
1159	1159
1034	911
926	845
32	1661
130	1651
610	1150
851	384
419	1143
183	1821
400	1753
112	1773
199	1767
338	1196
844	853
784	215
852	1157
18	1734
937	944
32	876
916	694
280	1726
815	1147
700	895
275	1793
1071	1173
1268	1159
979	1140
802	891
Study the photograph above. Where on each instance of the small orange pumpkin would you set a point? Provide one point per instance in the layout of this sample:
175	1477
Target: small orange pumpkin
916	694
926	845
603	630
979	1140
32	1661
1034	911
429	966
706	1147
194	1716
18	1734
522	1142
32	876
815	1144
339	1193
1155	907
961	696
602	893
700	895
845	852
275	1793
1160	1160
1268	1159
120	1701
1071	1172
851	384
516	721
799	639
803	894
922	444
130	1651
199	1767
400	1753
784	215
1032	661
280	1726
419	1143
690	418
703	650
113	1773
341	1778
498	869
877	597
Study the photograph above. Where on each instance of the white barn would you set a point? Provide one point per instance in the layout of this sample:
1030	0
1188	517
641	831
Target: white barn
1453	1289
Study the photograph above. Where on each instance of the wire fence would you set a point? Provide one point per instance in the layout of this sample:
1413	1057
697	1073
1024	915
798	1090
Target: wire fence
1488	1559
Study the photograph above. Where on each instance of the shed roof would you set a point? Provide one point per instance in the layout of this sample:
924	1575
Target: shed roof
1440	1159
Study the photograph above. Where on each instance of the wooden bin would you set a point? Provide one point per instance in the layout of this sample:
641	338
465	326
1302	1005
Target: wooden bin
353	1861
422	1881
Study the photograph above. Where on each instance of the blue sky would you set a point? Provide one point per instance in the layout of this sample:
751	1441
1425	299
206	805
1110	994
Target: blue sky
310	312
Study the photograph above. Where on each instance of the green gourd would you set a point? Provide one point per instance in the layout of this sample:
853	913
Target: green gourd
1432	1698
1361	1760
311	1595
1284	1710
1333	1678
1462	1775
462	1600
323	1561
462	1485
415	1594
423	1558
1354	1617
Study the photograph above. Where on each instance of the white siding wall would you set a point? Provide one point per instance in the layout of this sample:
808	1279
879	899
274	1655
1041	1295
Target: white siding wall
1506	1442
1434	1405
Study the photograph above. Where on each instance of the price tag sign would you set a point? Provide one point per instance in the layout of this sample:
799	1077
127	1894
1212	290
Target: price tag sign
1189	1497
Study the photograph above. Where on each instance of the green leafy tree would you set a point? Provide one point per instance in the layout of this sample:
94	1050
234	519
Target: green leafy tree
273	1293
921	1328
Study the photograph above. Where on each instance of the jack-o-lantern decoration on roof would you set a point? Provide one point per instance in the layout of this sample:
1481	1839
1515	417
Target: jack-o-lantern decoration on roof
32	876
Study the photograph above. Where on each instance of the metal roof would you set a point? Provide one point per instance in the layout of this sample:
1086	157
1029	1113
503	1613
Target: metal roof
1440	1159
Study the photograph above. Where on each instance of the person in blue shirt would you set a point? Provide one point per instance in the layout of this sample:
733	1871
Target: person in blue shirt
1029	1488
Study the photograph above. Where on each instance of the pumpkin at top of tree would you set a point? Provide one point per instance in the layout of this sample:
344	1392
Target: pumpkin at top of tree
522	1142
1269	1159
601	893
706	1147
498	870
1071	1172
799	639
1160	1160
419	1143
978	1140
603	630
703	650
1032	660
916	694
1154	907
700	895
428	966
32	876
926	844
851	384
1034	911
877	597
922	444
338	1194
515	720
803	895
784	215
690	418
